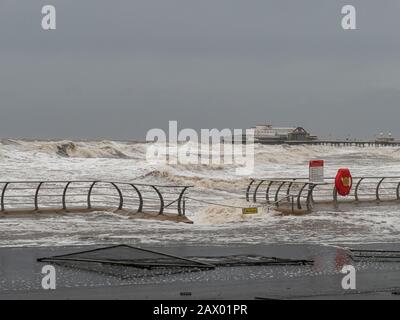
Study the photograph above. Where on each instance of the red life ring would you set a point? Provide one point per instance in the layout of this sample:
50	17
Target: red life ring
343	181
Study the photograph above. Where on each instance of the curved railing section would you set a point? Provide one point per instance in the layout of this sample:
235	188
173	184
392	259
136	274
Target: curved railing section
300	195
92	195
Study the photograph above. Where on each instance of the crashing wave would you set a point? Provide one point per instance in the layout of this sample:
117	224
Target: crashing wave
9	142
227	185
72	150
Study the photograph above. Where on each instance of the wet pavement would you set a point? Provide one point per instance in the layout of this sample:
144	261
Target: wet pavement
21	277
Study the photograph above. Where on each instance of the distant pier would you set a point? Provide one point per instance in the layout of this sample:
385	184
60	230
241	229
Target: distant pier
336	143
340	143
271	135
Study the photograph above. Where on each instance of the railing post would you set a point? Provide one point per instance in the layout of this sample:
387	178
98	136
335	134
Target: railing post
248	190
277	193
181	196
121	197
3	192
37	196
89	204
310	199
256	190
267	191
288	189
335	198
377	189
398	191
357	188
140	209
161	200
64	203
299	196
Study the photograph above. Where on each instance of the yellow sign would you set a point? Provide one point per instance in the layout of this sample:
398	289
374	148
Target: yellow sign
250	210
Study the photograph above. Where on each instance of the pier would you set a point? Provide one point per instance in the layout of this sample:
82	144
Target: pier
343	143
334	143
315	142
268	134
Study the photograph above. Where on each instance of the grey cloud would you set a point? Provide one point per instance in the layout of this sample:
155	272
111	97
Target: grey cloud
116	69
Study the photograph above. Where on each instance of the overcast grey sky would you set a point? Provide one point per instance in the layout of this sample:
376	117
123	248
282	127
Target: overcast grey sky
115	69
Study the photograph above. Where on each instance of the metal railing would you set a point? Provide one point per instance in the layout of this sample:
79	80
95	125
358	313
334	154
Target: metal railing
298	194
92	195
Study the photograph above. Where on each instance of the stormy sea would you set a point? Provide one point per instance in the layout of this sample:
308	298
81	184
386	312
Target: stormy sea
23	160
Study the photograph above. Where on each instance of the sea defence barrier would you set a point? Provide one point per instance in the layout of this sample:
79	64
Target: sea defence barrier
300	196
147	201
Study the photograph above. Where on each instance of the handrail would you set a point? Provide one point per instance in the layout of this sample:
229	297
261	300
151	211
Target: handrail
102	181
35	196
365	188
326	178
